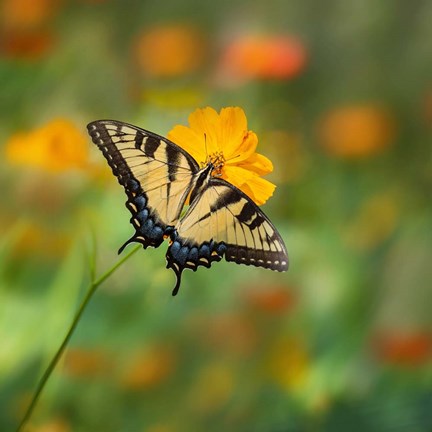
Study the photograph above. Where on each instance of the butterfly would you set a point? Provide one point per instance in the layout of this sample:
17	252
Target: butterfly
159	178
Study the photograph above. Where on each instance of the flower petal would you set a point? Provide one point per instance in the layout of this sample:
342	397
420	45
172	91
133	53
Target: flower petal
258	189
257	163
255	187
189	140
233	125
206	123
244	149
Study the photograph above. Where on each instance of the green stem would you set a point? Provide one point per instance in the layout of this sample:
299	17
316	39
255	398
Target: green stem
92	288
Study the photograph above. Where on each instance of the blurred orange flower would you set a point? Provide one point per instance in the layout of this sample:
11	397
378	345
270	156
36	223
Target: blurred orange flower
43	242
231	333
81	362
149	368
225	140
404	348
266	57
356	131
271	299
27	14
55	147
170	50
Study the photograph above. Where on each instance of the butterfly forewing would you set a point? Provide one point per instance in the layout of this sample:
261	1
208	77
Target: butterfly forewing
157	176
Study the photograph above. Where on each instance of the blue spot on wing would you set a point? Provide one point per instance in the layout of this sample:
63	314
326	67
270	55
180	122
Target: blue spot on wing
181	255
142	216
140	202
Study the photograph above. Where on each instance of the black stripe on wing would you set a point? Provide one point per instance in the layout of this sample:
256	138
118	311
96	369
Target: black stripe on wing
113	138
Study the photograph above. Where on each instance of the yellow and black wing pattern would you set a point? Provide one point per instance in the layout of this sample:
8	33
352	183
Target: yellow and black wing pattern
158	177
222	220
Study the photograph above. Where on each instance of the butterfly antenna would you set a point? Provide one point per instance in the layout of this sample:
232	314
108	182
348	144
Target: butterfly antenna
205	145
233	157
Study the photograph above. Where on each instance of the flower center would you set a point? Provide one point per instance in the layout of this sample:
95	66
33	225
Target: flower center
217	159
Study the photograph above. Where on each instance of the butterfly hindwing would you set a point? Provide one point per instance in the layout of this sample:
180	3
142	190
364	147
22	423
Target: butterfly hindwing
157	176
223	221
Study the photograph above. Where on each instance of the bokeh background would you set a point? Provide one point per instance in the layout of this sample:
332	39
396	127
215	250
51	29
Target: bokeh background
340	95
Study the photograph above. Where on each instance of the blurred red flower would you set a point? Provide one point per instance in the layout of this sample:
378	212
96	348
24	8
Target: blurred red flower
30	45
264	57
170	50
404	348
356	131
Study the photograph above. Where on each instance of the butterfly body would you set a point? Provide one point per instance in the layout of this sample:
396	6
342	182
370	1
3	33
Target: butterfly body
159	177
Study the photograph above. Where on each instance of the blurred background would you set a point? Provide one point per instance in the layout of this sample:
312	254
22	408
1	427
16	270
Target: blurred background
340	95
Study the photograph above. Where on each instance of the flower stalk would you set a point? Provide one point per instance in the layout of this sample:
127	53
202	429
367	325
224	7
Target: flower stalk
91	290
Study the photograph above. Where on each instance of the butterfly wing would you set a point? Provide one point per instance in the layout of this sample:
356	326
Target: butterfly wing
223	221
157	176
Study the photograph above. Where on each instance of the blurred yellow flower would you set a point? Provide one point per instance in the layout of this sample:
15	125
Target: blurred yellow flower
173	98
55	147
375	221
356	131
225	140
54	425
289	363
213	388
170	50
264	57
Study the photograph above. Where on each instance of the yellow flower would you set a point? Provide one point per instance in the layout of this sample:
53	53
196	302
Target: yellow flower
289	363
57	146
225	140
